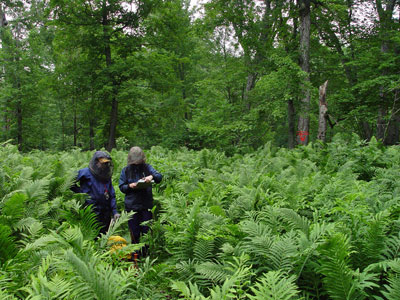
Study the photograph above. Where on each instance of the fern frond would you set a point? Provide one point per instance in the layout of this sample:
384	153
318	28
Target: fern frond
275	285
28	224
234	285
46	241
203	250
5	296
392	289
392	247
375	238
95	281
186	269
14	208
86	219
254	228
189	293
295	220
8	248
282	253
340	281
37	190
115	228
41	287
215	272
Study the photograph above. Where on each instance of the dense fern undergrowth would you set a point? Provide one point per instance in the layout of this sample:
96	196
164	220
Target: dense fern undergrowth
316	222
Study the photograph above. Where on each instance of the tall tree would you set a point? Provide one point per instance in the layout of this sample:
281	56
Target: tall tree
303	126
3	19
388	119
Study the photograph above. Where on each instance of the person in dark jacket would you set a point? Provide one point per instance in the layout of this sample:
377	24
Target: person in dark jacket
138	195
96	182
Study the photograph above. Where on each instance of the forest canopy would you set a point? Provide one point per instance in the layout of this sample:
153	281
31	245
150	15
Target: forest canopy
225	74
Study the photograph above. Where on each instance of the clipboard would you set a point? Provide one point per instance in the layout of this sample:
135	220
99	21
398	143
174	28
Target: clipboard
141	184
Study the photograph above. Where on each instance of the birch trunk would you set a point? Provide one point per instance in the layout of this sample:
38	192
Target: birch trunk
304	118
323	110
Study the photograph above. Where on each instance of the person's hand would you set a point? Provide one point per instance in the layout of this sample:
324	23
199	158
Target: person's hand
148	178
133	185
116	216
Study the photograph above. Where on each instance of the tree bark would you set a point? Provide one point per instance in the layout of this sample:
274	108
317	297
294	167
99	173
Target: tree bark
75	122
323	110
3	20
384	124
91	124
366	129
19	123
251	82
292	125
304	118
114	102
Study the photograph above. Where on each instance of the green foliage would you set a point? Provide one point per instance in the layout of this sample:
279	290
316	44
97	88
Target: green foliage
271	223
8	249
275	285
340	281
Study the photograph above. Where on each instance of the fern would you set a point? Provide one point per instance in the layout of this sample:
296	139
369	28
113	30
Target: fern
214	272
235	285
86	219
37	190
7	244
373	244
232	287
186	269
340	281
92	283
392	289
295	220
282	254
5	296
115	228
40	287
392	247
203	250
189	293
14	208
275	285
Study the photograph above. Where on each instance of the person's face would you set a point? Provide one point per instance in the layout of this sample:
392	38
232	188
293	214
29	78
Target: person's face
103	165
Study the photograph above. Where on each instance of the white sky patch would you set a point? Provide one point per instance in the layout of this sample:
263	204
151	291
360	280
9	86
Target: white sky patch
198	6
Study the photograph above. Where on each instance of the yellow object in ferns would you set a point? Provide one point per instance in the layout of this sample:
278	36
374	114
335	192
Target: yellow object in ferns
117	243
116	238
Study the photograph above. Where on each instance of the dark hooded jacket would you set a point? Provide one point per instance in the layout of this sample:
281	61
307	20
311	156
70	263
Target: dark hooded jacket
137	199
97	185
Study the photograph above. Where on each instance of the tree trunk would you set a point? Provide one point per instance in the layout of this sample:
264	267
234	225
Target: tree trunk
75	122
114	102
19	123
304	118
7	120
392	131
3	20
323	110
251	82
91	134
383	123
366	129
113	124
291	123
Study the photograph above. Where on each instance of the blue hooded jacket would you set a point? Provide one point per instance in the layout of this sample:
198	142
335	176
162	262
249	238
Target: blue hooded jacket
96	191
97	186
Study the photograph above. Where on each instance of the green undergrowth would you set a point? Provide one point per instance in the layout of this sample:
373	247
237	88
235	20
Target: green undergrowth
317	222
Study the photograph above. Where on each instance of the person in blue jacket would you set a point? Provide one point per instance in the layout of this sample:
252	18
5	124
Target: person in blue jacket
137	198
96	182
